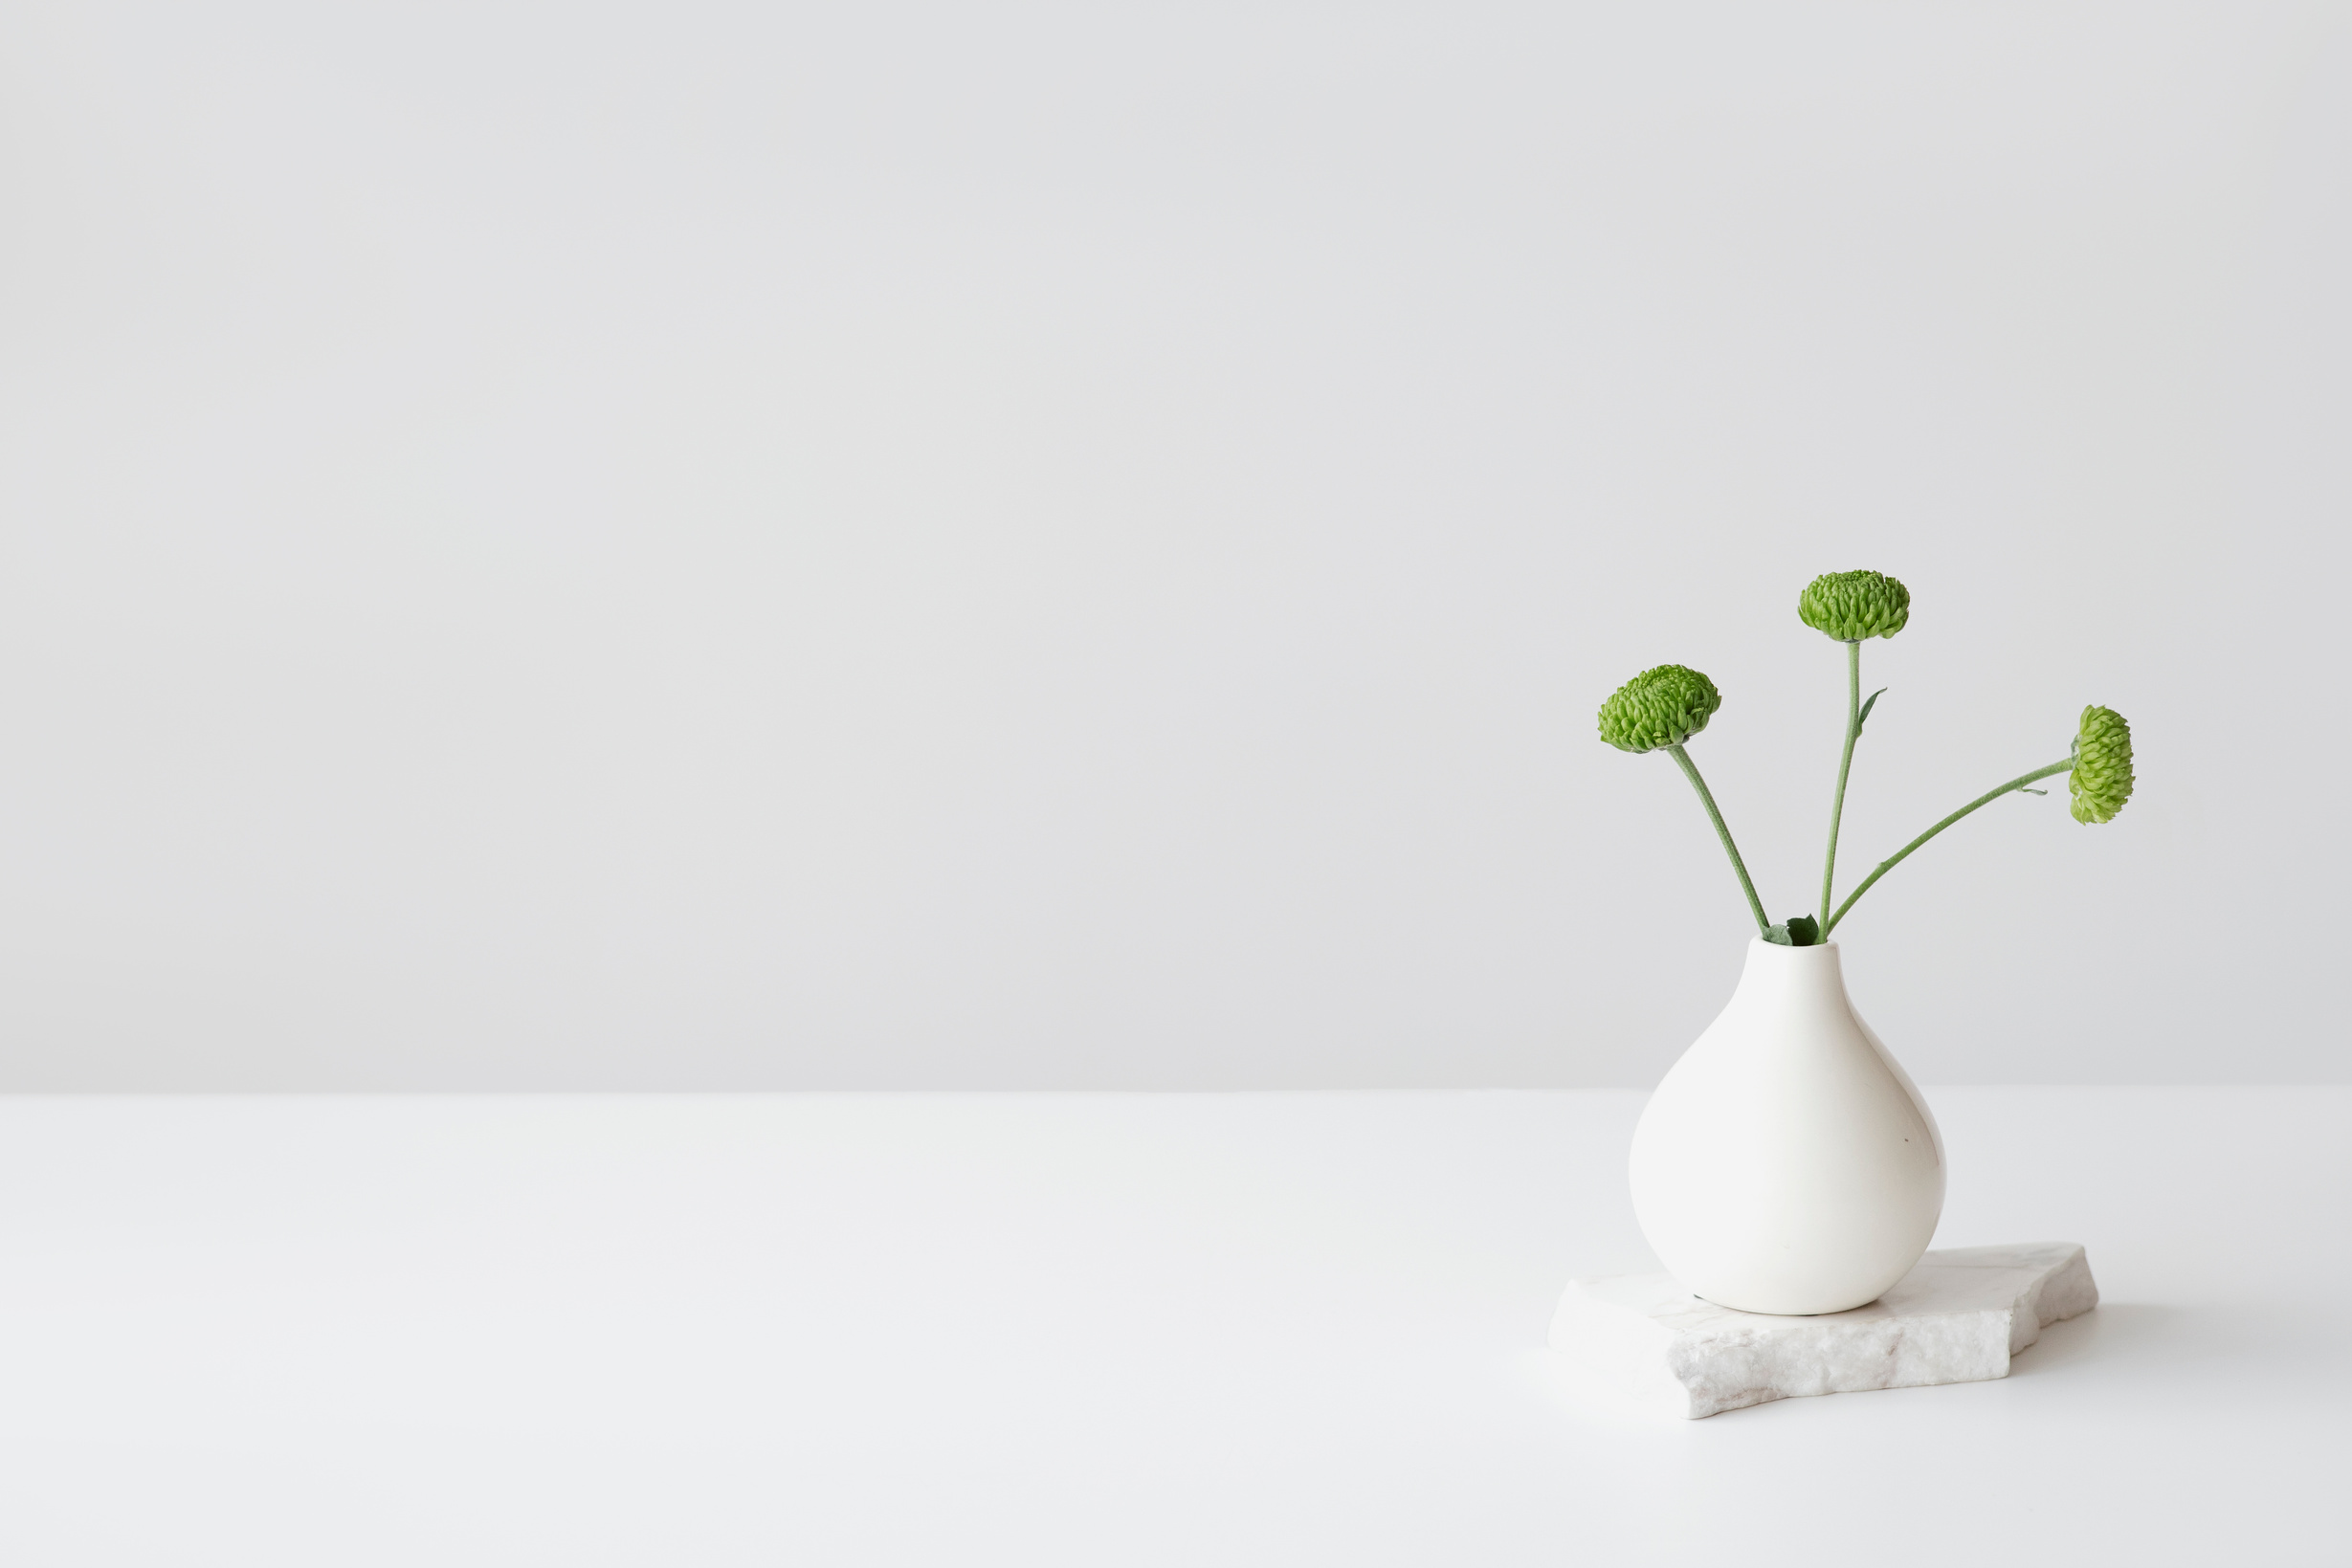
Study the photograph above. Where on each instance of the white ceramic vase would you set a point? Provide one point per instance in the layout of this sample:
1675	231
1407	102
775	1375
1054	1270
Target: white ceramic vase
1787	1163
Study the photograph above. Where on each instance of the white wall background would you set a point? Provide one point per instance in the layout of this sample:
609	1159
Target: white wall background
884	544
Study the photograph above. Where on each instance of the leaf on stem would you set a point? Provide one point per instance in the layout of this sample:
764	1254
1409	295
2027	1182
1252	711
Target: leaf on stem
1863	717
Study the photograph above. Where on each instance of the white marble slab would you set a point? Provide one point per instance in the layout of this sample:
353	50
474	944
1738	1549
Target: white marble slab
1956	1317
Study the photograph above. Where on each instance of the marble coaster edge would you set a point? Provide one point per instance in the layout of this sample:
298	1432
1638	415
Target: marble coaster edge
1959	1317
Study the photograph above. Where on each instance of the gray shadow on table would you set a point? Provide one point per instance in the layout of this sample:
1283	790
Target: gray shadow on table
2123	1332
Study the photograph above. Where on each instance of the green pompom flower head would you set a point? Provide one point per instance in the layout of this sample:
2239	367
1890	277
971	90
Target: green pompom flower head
1661	707
1659	710
1851	606
2101	780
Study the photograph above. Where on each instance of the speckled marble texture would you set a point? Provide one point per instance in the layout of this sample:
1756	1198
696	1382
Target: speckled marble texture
1956	1317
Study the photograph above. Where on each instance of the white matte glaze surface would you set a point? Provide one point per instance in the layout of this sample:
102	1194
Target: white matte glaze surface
1787	1163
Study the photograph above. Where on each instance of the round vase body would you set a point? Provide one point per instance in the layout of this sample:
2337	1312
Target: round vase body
1787	1163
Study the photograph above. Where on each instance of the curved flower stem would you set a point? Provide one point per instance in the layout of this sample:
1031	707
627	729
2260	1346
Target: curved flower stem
1844	763
1689	771
1887	865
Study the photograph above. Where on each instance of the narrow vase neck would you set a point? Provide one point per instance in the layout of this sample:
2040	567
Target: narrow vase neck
1779	977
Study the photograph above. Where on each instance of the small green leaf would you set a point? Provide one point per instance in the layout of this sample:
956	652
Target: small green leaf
1778	936
1863	717
1803	930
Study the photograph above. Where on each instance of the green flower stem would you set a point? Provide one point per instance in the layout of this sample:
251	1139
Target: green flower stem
1689	771
1845	764
1986	799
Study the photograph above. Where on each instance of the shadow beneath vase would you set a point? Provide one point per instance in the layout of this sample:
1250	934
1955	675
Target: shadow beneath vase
2127	1331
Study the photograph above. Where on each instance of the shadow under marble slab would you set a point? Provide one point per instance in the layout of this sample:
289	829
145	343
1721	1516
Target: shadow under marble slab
1956	1317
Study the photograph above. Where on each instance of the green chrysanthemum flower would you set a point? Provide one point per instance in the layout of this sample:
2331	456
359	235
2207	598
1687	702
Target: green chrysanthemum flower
1851	606
2101	780
1661	707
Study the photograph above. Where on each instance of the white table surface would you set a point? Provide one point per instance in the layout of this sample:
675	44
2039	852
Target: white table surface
1105	1330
